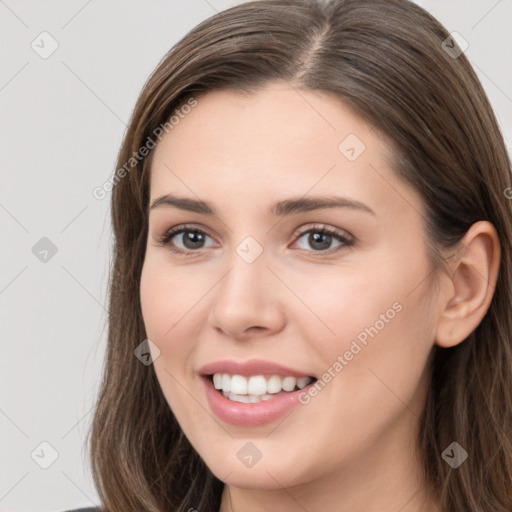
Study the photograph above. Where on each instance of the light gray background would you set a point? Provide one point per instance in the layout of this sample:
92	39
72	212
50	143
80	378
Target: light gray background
62	121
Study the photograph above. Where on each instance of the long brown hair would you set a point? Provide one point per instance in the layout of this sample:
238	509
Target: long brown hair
385	59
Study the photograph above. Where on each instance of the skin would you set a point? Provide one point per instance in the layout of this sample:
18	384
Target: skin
352	448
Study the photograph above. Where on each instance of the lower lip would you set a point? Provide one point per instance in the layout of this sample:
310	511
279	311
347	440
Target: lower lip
252	414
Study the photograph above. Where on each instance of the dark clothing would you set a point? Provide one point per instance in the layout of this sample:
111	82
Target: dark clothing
88	509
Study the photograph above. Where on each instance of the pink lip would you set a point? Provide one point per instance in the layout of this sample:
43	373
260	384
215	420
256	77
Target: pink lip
249	368
252	414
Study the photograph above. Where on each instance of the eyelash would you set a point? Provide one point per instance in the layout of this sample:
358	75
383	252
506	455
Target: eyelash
324	230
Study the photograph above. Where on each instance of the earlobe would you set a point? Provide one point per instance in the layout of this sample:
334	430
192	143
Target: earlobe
473	280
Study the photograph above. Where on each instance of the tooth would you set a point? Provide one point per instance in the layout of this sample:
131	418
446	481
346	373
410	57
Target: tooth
303	382
289	383
257	385
274	384
239	398
226	382
217	380
238	385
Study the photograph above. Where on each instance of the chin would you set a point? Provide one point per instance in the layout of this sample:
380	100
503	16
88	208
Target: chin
268	473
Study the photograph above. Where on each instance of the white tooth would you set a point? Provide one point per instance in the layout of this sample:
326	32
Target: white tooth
289	383
257	385
238	385
274	384
239	398
303	382
251	399
217	380
226	382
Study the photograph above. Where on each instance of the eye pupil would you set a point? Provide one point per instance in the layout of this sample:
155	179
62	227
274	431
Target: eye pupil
316	237
193	239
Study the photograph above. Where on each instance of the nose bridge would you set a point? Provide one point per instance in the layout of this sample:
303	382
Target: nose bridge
245	296
247	268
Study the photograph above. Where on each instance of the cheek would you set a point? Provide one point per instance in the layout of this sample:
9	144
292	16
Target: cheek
340	304
378	321
168	318
370	385
167	299
168	313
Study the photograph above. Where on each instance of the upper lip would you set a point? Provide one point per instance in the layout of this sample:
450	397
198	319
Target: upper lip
249	368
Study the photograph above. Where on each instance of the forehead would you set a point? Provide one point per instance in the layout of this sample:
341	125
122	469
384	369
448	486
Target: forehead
275	142
276	113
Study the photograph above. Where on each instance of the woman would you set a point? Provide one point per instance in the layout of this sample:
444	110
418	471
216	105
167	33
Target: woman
310	299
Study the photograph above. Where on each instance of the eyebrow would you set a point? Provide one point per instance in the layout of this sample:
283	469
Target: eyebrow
279	209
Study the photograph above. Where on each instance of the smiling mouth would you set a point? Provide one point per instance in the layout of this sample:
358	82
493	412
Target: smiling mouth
257	388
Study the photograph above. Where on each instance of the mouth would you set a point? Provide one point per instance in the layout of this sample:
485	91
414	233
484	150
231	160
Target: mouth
257	388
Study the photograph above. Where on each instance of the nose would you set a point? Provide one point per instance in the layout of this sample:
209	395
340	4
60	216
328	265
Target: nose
247	301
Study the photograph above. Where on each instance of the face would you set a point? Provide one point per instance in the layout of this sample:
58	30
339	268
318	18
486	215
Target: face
337	294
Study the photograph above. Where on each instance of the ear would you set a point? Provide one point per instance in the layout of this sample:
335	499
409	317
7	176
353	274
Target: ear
473	279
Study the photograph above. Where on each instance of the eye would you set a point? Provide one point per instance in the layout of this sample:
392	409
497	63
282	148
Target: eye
189	240
190	237
320	238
